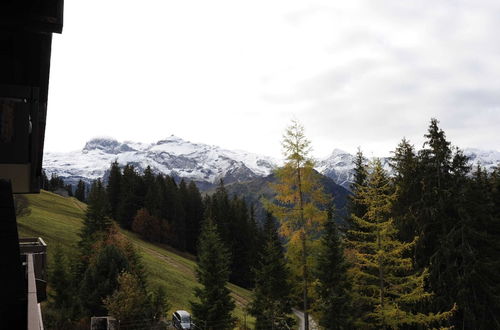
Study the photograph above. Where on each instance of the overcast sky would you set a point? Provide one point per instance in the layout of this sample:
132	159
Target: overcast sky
234	73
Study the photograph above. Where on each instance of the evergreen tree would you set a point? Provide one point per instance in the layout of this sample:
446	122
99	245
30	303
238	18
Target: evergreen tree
194	209
215	305
218	209
468	256
69	189
110	256
333	287
158	304
434	219
62	307
152	200
407	182
80	191
386	286
101	279
129	201
298	201
44	184
355	207
271	304
176	215
56	182
114	189
241	244
60	280
96	221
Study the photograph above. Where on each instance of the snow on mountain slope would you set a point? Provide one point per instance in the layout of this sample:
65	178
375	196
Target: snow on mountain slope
173	156
199	162
486	158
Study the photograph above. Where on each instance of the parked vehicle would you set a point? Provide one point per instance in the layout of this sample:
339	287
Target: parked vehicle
181	320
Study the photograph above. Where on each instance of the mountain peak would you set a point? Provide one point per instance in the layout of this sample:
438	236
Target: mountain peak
337	152
172	139
107	145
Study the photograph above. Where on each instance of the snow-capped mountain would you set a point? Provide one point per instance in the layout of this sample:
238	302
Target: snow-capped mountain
202	163
173	156
339	166
485	158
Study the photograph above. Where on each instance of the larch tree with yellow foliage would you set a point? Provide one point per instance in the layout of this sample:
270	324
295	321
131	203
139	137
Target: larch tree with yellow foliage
299	205
386	286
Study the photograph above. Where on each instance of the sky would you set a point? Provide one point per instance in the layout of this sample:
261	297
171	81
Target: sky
235	73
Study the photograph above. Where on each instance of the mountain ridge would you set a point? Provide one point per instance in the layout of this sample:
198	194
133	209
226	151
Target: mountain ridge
204	164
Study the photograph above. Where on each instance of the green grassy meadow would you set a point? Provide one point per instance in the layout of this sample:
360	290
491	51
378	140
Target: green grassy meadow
58	220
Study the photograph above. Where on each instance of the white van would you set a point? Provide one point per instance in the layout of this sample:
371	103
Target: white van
181	320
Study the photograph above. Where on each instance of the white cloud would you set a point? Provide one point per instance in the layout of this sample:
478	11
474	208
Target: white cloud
357	73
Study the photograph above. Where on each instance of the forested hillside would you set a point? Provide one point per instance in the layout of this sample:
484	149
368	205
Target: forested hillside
59	221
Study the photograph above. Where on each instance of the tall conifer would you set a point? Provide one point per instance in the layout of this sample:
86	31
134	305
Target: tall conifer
333	286
80	191
214	307
271	305
386	285
298	205
96	221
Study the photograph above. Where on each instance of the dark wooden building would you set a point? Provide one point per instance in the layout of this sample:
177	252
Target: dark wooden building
26	28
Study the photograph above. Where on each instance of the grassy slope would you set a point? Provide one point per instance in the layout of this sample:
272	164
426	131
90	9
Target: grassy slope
58	220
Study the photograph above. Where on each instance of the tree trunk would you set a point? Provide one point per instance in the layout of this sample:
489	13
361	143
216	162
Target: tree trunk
304	251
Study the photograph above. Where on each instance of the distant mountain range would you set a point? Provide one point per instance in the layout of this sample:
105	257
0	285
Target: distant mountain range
201	163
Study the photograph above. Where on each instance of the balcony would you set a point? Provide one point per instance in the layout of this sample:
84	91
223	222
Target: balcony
34	259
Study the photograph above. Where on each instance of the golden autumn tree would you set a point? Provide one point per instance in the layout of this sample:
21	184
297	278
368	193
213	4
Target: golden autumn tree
386	286
299	204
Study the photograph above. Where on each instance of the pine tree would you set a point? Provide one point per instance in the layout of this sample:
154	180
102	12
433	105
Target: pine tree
80	191
55	182
69	189
44	184
62	306
114	189
219	210
271	304
354	207
298	201
194	209
468	256
242	244
96	221
110	256
129	201
333	286
59	279
406	179
385	284
177	214
215	305
434	219
101	279
158	304
152	200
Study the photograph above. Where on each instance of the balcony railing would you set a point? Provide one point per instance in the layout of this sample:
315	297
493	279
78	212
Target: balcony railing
33	250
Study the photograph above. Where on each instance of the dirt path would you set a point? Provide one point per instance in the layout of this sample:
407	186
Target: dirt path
78	205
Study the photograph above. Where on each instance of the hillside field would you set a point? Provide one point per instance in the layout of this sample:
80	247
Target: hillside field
58	221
